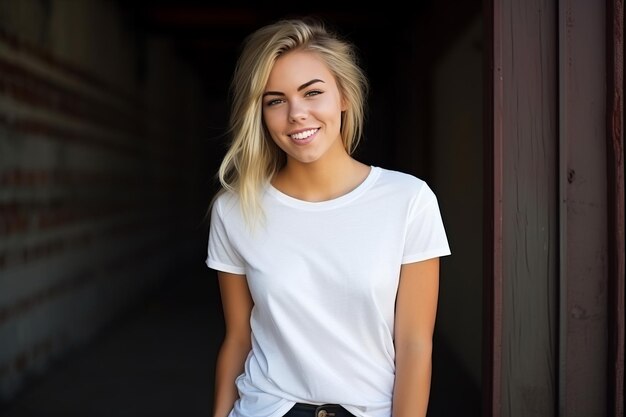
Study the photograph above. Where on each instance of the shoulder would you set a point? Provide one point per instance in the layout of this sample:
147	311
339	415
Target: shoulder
400	178
224	203
403	184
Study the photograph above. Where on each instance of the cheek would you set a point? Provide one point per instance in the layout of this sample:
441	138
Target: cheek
278	143
330	117
330	109
271	129
272	120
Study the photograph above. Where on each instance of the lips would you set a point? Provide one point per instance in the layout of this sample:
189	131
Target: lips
304	135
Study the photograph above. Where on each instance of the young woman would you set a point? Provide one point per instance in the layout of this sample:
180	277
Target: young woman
328	268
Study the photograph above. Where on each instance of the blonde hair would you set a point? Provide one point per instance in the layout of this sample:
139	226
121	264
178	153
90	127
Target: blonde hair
252	157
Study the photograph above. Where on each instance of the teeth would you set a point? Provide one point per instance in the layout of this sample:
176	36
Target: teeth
303	135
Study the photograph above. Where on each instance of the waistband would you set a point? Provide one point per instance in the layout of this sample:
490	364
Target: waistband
324	410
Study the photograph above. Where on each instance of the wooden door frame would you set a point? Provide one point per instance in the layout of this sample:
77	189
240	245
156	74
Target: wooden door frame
492	252
493	212
615	177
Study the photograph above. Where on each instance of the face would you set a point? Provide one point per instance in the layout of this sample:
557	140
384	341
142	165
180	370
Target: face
302	108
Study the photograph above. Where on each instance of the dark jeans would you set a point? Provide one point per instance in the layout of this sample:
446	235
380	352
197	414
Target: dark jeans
326	410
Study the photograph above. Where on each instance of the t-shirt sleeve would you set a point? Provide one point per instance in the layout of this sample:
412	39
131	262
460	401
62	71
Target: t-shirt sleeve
425	233
222	256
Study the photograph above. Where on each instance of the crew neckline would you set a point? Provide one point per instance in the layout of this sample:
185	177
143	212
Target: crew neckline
327	204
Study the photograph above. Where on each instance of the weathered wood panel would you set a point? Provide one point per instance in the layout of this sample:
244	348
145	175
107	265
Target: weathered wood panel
583	220
615	176
556	69
528	48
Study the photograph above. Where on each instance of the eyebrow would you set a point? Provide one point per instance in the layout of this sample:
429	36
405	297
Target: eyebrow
302	87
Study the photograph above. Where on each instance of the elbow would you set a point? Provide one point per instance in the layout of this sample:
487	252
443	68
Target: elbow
415	347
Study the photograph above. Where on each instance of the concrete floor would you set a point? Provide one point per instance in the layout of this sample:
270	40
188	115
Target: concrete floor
158	361
155	361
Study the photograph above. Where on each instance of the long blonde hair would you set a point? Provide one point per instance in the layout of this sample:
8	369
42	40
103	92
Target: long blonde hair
253	158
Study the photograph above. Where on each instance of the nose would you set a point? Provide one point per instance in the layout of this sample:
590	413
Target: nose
297	111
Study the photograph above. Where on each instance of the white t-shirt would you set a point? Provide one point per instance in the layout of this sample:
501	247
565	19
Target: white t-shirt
324	278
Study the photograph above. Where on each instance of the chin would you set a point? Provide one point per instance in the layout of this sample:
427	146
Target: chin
304	159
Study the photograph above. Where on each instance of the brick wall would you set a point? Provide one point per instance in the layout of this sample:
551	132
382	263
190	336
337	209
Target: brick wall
102	184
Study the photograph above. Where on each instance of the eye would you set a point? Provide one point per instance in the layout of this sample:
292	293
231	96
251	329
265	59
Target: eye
274	102
313	93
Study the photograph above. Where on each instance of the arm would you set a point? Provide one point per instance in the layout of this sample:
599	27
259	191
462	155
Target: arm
237	304
416	309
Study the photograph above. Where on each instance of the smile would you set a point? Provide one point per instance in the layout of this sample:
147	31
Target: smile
303	135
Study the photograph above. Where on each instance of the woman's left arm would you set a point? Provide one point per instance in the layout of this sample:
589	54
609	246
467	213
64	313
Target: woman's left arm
416	309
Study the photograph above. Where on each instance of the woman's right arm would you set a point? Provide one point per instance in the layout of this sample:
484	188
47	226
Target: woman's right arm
237	304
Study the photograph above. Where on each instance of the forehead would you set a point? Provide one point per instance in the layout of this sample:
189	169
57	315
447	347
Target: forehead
296	68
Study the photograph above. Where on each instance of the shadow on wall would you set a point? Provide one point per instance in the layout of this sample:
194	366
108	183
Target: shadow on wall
102	170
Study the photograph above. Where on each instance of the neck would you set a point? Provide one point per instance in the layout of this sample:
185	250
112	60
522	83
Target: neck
321	180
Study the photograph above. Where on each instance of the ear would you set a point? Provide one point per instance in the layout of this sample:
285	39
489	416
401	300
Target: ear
344	104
